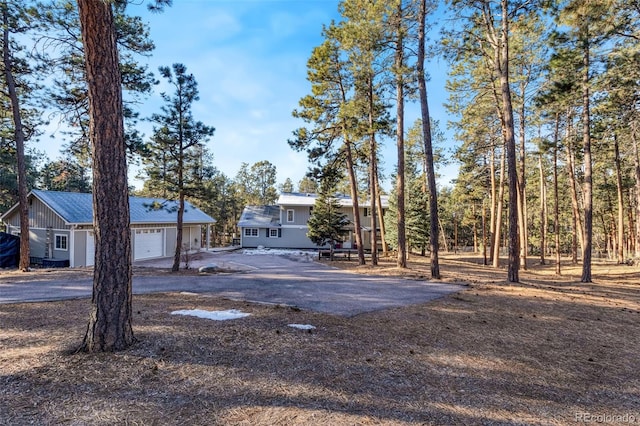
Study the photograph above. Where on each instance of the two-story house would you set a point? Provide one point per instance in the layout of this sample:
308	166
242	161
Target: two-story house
285	225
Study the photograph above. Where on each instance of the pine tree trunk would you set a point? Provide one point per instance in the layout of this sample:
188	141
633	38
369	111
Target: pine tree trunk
586	142
620	200
109	327
475	227
353	182
400	177
543	212
498	219
636	161
434	220
507	109
18	132
383	226
444	236
578	230
494	202
556	207
179	232
484	233
373	173
521	184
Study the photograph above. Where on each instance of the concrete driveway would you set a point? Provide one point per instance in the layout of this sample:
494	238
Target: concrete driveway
292	280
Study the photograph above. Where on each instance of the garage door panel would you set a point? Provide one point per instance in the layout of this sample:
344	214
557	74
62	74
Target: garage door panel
148	244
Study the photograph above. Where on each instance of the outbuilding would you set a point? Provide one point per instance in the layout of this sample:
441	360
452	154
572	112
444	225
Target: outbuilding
61	227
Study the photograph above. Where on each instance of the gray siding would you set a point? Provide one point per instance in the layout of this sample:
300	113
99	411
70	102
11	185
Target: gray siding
301	215
296	238
37	242
61	254
170	240
40	216
292	238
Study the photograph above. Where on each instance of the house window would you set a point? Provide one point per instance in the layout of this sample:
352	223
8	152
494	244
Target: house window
290	216
61	242
366	212
273	233
250	232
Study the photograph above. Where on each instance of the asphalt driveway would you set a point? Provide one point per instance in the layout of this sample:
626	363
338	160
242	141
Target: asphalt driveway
292	280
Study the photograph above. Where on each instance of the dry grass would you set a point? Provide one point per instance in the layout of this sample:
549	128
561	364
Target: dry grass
534	353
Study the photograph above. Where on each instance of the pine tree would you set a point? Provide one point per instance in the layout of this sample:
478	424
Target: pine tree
327	223
13	22
178	145
331	140
109	327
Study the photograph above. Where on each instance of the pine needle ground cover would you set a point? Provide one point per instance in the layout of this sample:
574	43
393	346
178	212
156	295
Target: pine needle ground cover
547	351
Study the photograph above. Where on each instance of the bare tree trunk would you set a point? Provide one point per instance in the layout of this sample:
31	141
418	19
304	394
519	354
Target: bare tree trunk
428	148
18	133
494	202
400	177
556	207
620	250
383	226
180	219
521	184
498	220
543	212
636	161
475	227
109	327
631	239
586	142
353	182
373	171
444	237
484	233
503	69
571	167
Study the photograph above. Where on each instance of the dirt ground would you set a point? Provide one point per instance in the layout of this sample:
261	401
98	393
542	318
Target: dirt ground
547	351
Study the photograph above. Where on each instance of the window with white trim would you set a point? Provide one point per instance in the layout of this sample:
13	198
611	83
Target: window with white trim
274	233
61	242
250	232
290	215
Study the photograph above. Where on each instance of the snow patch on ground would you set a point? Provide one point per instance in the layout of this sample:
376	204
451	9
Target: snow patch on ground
213	315
308	254
302	326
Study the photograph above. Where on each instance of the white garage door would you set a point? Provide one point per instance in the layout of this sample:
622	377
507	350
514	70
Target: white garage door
148	244
91	249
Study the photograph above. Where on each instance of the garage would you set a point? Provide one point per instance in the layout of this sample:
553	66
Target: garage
148	244
61	227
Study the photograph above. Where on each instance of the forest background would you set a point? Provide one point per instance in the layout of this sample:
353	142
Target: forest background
573	81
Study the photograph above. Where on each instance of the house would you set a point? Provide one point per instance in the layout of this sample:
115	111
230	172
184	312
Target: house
61	227
285	225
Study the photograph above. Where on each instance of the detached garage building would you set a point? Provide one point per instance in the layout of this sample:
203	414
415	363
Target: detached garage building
61	227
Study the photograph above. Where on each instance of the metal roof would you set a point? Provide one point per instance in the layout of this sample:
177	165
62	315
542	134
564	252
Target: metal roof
260	217
309	199
77	208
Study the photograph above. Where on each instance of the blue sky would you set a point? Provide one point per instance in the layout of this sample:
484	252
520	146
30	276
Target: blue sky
249	59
